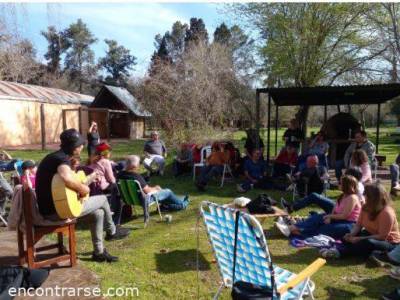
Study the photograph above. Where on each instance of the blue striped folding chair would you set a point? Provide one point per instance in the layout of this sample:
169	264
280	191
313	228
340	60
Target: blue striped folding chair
252	255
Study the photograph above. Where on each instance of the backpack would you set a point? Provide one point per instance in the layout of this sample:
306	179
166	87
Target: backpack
261	205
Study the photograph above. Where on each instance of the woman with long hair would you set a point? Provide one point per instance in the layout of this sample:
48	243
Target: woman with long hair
359	160
376	227
338	218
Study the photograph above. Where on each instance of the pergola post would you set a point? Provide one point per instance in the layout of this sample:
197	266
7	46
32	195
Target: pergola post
257	118
276	130
269	127
378	121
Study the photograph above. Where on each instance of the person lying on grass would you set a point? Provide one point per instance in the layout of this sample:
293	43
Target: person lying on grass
166	198
338	218
376	227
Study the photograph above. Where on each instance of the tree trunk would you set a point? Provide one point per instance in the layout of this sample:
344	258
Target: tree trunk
302	117
362	118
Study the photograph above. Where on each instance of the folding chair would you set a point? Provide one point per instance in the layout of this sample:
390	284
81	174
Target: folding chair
227	170
3	205
253	258
204	153
132	192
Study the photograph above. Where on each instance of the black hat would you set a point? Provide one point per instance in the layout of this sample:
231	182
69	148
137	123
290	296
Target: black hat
71	139
28	164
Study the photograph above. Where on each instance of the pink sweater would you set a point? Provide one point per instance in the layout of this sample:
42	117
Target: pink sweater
104	168
353	216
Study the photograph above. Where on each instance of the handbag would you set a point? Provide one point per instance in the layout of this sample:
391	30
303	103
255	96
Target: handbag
261	205
242	290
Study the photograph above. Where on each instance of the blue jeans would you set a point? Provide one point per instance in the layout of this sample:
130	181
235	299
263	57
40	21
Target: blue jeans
339	166
208	172
315	225
7	165
323	202
395	254
166	197
394	174
364	248
115	202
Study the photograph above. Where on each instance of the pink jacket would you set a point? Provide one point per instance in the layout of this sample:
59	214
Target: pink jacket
104	168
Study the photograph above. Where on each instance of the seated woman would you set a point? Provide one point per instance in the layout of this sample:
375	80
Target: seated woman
338	218
376	227
235	159
215	165
254	171
359	160
183	161
103	166
312	178
28	178
166	198
285	161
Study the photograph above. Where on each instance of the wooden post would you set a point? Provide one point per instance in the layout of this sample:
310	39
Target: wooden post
64	119
43	126
257	118
378	121
80	120
108	125
325	113
269	127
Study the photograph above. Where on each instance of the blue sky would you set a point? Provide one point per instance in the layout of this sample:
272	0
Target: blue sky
133	25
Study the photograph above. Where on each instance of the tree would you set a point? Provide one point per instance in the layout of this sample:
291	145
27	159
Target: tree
79	59
118	61
56	46
309	44
197	32
222	35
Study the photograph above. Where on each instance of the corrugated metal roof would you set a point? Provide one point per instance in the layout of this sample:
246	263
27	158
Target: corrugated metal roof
28	92
130	102
333	95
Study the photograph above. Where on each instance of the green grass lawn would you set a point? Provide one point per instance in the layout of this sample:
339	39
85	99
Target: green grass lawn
161	259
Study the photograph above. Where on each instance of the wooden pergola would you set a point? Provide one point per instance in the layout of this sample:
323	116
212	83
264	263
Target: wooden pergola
324	96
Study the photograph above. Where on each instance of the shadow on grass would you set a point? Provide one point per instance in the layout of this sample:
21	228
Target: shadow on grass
375	287
335	293
180	261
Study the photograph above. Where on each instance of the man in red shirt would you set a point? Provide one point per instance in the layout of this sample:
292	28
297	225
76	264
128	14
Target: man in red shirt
285	161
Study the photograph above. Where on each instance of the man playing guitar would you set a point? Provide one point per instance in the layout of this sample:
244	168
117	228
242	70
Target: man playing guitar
95	207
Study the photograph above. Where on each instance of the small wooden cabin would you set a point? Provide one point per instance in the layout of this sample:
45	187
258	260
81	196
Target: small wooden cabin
126	117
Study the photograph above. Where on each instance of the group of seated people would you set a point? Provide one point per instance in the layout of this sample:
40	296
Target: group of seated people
103	208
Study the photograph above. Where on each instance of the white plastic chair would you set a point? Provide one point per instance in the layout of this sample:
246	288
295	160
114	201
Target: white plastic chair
227	170
204	153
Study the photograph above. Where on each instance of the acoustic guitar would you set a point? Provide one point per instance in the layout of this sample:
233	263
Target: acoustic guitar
67	202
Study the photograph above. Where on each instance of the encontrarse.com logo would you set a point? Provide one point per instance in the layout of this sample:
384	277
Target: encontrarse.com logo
74	292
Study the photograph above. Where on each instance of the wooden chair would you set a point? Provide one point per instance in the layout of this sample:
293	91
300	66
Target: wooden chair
35	233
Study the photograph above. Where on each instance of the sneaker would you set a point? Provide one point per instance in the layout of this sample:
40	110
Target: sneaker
119	234
104	257
240	189
283	228
381	259
395	273
286	206
329	253
393	295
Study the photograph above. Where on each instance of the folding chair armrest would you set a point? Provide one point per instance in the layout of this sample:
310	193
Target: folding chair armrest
304	274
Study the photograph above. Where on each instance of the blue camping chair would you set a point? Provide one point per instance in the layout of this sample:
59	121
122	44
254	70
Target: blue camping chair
252	255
